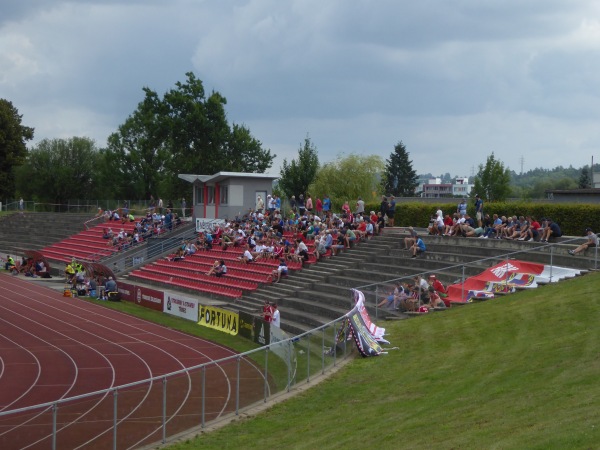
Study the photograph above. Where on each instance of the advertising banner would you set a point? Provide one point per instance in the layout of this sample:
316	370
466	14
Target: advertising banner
146	297
262	332
246	325
181	306
219	319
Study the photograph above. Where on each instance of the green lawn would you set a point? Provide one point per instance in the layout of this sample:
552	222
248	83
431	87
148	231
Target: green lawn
519	372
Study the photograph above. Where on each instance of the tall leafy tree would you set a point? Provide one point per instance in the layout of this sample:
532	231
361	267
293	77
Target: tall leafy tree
183	132
348	178
492	181
297	175
399	178
584	179
13	150
60	169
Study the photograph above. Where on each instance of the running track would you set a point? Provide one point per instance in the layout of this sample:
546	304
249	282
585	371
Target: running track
53	347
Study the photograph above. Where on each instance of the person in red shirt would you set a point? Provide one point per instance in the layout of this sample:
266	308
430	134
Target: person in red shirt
533	230
267	312
319	207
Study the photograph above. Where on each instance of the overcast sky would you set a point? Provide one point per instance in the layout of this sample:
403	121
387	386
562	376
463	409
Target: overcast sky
453	80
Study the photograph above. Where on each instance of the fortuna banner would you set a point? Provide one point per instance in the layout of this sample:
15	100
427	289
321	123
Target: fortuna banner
219	319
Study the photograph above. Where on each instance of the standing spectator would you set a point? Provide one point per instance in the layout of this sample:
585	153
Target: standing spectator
383	207
591	242
360	206
260	204
301	206
277	202
319	207
309	204
267	312
461	209
293	204
479	210
160	205
326	204
21	204
275	316
152	205
183	206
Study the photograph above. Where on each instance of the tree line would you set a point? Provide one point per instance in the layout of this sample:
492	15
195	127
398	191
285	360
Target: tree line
187	131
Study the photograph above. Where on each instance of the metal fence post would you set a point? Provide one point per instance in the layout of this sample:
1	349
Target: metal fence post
237	388
202	423
551	261
308	359
289	367
54	412
334	346
323	351
462	286
115	409
164	411
266	386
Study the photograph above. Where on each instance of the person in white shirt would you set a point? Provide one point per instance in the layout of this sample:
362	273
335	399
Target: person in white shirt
275	316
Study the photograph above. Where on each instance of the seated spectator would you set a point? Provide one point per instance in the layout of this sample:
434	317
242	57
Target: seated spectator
448	224
591	242
552	230
409	241
434	299
282	270
247	256
302	250
110	289
10	263
392	298
218	269
533	231
438	286
418	247
320	248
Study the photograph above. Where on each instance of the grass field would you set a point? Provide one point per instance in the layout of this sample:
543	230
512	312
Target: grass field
520	372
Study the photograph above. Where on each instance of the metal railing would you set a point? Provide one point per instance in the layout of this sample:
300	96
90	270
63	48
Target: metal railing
159	409
375	293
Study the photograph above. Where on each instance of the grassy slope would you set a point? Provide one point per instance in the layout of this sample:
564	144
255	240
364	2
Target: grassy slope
517	372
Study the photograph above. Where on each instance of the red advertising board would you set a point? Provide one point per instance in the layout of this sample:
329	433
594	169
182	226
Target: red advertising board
146	297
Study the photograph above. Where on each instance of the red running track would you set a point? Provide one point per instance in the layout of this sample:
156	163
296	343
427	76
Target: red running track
53	347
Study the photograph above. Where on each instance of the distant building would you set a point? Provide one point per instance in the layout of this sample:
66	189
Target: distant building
588	195
434	188
226	195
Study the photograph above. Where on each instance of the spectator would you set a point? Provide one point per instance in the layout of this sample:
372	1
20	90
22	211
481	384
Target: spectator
247	256
281	271
260	204
418	247
293	204
552	230
326	204
591	242
391	211
479	210
411	239
461	209
360	206
218	269
434	299
10	263
301	205
21	204
302	250
183	206
110	287
319	207
275	316
267	312
309	204
534	227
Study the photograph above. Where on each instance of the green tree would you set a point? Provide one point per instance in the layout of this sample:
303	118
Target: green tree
183	132
297	176
399	178
492	181
13	150
584	179
60	169
348	178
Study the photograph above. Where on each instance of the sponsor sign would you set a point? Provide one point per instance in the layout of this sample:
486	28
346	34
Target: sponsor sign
146	297
219	319
262	332
181	306
365	342
246	325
